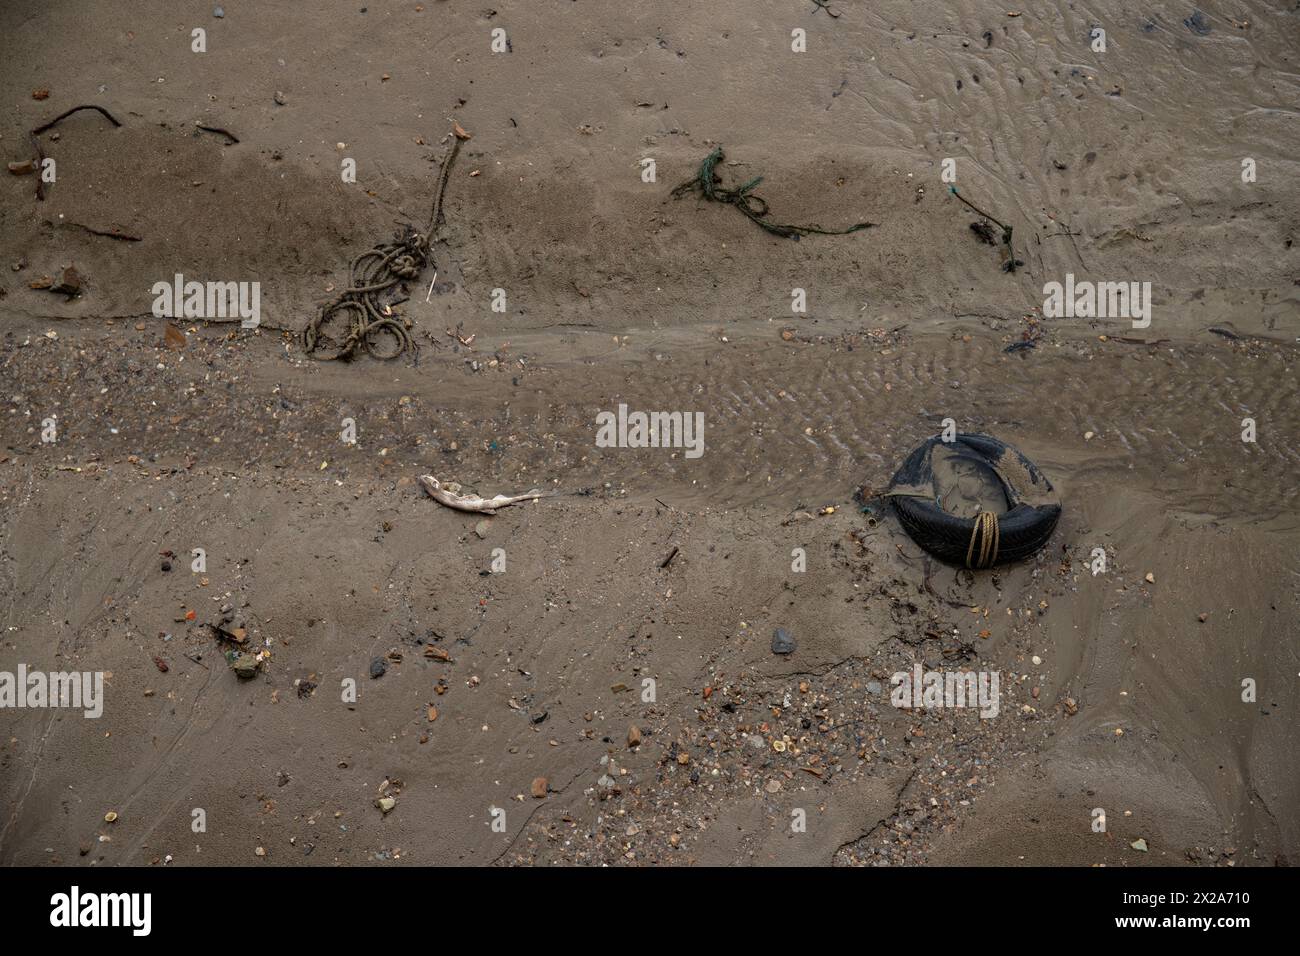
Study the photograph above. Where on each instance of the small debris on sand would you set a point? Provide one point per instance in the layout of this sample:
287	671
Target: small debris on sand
69	283
246	666
782	641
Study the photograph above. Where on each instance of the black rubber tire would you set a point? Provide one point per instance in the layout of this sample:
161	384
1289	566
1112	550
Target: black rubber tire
1023	529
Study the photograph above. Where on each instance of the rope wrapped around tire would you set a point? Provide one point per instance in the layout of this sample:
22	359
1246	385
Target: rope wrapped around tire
988	538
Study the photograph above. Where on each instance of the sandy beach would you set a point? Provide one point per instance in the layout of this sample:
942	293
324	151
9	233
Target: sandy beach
589	678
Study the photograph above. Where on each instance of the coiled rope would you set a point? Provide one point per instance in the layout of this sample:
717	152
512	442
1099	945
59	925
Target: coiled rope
985	531
372	275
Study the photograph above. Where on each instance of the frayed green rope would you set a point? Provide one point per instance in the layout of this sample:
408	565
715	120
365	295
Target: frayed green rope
708	185
1011	263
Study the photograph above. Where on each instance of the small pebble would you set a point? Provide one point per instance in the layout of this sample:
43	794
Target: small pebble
218	12
782	641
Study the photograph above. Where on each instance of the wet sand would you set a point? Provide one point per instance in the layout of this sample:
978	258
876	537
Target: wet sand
1122	166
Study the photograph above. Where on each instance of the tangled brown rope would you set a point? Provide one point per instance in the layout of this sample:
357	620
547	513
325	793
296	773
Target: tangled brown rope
987	533
373	289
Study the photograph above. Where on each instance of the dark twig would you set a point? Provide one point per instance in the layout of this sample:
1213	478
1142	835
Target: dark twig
76	109
113	233
219	131
35	137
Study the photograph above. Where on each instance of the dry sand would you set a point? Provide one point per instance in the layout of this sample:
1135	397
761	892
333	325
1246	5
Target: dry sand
1116	166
